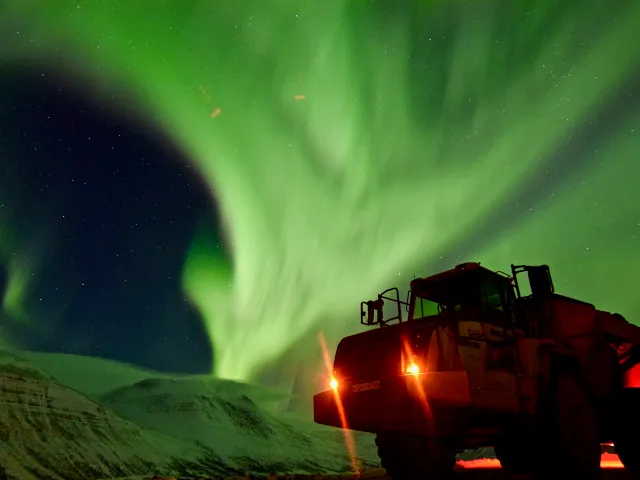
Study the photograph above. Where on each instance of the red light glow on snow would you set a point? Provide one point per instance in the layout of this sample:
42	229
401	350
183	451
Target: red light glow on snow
335	386
609	460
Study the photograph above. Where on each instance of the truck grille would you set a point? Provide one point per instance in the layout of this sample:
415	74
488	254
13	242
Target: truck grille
377	354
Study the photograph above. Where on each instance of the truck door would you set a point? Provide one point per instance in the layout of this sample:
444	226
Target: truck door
492	380
489	353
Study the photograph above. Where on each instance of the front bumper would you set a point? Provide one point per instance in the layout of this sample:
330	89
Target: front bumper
432	402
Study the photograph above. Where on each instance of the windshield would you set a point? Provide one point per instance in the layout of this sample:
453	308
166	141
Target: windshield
425	307
455	293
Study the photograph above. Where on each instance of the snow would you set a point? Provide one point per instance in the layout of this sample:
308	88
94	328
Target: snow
50	431
219	415
68	417
90	375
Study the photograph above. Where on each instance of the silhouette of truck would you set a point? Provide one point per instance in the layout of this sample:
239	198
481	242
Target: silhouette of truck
543	378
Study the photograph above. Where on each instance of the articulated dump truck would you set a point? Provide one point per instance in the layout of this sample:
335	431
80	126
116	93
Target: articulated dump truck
477	361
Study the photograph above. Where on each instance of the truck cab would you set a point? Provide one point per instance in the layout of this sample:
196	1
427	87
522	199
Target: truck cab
469	290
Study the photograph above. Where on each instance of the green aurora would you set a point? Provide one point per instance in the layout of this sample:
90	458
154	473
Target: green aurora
354	144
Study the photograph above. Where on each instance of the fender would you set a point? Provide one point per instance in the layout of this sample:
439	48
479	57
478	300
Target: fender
630	368
552	361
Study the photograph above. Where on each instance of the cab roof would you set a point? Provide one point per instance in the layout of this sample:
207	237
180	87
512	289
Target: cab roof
442	286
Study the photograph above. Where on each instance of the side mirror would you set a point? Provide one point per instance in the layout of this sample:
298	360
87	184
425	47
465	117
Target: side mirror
374	311
540	280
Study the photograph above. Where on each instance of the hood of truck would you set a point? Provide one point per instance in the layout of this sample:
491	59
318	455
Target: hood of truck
382	352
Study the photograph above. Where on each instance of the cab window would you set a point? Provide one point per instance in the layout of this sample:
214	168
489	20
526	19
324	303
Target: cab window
498	299
425	307
495	295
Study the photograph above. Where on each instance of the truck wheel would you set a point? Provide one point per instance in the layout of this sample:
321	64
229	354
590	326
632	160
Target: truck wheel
570	445
415	457
516	447
516	454
626	440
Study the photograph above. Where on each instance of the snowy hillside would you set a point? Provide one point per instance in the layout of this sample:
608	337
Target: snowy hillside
50	431
89	375
50	428
218	415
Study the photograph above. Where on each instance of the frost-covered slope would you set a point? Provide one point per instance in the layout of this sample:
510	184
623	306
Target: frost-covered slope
89	375
178	425
48	430
219	415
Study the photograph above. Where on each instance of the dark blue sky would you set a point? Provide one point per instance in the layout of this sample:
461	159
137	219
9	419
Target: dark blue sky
109	208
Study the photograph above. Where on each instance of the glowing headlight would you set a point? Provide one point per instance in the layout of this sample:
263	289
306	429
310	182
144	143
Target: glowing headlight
413	369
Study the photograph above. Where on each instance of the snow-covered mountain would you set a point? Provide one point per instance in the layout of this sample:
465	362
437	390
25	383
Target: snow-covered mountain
90	375
59	421
48	430
220	416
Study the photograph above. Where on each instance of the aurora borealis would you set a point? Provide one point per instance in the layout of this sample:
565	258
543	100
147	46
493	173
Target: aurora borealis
351	145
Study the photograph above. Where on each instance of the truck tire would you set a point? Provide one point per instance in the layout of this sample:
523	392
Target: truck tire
415	457
626	440
516	449
570	442
514	459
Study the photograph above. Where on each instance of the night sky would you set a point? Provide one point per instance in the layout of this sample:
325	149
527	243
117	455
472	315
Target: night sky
108	209
207	185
